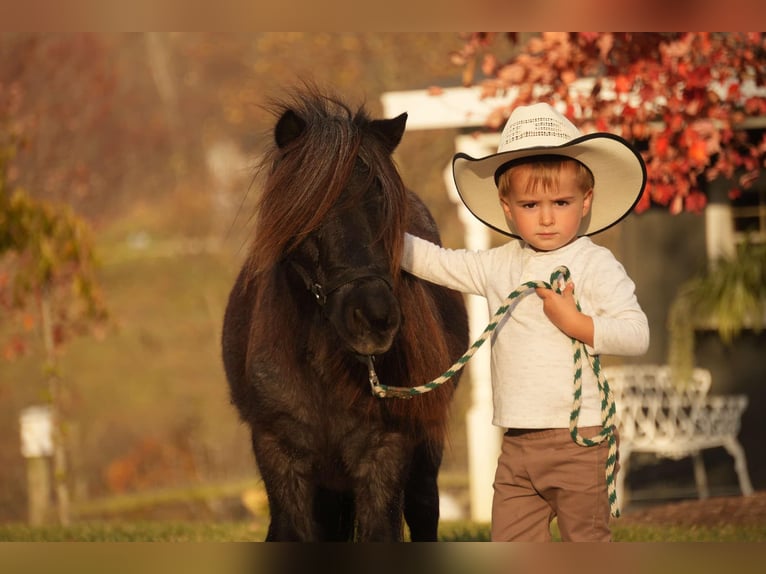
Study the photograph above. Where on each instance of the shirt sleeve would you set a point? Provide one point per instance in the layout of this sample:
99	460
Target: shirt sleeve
620	326
457	269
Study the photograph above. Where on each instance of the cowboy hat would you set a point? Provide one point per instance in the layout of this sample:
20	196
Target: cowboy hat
618	170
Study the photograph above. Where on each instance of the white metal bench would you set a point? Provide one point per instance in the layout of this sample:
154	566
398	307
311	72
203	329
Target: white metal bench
675	420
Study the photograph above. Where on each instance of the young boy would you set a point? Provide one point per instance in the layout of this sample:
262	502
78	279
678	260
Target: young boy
556	186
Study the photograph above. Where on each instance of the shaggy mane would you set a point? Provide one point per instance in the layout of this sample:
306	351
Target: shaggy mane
305	179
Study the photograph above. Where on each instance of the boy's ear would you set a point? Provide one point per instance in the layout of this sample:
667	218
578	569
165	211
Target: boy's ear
506	207
587	202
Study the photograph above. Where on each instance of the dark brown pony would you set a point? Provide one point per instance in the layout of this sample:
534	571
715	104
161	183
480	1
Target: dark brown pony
320	292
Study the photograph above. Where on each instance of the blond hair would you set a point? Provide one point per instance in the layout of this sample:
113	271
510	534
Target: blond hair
544	173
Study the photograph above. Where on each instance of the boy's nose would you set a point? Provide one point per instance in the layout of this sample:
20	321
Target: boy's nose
546	215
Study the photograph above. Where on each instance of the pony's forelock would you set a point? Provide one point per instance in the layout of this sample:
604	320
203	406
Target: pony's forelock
303	180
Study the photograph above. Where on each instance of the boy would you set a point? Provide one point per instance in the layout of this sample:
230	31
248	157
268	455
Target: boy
555	187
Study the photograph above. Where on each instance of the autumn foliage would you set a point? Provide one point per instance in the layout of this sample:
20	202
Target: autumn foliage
46	251
682	98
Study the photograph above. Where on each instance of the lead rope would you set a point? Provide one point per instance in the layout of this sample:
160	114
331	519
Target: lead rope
560	274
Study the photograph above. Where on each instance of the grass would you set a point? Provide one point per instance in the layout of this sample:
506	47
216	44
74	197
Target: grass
693	533
120	506
255	531
135	532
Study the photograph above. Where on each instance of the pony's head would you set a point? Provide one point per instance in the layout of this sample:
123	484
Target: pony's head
332	214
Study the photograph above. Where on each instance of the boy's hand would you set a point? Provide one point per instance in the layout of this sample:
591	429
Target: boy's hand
561	310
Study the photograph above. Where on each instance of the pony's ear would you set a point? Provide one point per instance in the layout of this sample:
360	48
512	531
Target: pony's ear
390	131
289	127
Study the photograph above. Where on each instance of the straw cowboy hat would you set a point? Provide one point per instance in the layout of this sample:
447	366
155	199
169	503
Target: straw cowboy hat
618	170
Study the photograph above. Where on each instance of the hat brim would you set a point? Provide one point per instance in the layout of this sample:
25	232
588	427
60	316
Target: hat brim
619	173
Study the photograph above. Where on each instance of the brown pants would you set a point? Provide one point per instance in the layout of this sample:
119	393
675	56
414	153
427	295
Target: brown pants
542	474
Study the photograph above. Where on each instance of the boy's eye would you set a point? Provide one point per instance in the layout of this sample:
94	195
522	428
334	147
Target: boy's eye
562	203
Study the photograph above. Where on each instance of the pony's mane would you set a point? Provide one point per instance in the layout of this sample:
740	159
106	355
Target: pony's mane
305	178
304	181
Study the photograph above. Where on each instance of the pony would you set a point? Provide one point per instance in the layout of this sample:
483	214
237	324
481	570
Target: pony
319	304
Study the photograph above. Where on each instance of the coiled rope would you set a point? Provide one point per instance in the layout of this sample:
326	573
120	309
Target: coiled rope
560	275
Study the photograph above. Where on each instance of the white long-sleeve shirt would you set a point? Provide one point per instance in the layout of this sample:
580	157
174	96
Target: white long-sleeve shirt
531	359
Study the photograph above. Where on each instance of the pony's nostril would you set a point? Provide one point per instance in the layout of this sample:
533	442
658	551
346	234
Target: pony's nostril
376	317
359	318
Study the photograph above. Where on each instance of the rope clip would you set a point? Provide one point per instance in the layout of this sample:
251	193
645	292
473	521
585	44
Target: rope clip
374	381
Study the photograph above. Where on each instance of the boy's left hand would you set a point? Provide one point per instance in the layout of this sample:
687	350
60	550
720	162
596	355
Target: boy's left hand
561	310
558	307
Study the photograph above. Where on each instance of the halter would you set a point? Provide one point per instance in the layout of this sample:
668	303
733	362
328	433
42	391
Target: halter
349	275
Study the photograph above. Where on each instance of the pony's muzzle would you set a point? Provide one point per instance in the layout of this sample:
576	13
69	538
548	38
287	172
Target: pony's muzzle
371	317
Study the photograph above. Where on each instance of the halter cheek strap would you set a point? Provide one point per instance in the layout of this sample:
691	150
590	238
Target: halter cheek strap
349	275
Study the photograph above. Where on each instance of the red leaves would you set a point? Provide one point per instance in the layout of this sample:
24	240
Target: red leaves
661	144
622	84
695	202
755	106
698	152
152	463
677	94
16	347
644	202
662	193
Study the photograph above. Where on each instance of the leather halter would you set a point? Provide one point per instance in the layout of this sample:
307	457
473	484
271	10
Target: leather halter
349	275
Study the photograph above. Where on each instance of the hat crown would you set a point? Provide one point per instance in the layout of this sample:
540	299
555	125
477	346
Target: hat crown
538	125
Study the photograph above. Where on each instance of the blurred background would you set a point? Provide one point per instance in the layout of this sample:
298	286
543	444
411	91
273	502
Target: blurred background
151	139
126	174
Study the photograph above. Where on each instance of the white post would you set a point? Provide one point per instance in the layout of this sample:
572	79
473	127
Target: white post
719	231
464	108
36	431
483	438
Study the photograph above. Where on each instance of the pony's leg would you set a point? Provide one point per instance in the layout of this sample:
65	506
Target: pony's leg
421	494
378	486
290	495
334	512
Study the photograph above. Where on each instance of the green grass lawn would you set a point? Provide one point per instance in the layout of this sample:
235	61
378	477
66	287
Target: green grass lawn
251	531
136	532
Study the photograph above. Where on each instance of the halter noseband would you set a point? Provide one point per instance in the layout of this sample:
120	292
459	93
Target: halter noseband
322	292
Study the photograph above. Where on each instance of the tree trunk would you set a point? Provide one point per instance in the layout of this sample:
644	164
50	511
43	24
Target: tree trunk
54	387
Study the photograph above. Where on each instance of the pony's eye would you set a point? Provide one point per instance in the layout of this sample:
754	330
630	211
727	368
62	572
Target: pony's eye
374	199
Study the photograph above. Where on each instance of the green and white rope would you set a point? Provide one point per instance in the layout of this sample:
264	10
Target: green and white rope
608	410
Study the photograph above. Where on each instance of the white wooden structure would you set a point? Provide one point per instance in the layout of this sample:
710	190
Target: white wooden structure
461	108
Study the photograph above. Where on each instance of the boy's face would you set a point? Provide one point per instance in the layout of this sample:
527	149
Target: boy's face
546	218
